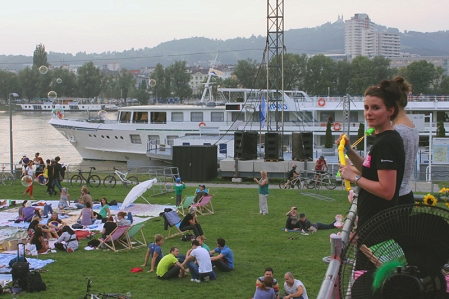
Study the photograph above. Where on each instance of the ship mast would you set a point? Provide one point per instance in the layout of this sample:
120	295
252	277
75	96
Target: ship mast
208	85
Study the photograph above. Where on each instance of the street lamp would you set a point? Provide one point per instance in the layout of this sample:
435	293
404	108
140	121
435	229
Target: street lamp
11	97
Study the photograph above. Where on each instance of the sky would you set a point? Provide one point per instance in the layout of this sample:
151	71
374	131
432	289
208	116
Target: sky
98	26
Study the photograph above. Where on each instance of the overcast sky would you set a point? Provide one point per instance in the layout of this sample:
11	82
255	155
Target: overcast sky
97	26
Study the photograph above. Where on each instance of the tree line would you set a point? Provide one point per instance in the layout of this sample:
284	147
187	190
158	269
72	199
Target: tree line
316	75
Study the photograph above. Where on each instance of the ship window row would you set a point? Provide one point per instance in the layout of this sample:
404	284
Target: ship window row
161	117
105	136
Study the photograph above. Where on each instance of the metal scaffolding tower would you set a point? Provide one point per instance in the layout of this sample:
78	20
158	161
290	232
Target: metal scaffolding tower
274	58
346	110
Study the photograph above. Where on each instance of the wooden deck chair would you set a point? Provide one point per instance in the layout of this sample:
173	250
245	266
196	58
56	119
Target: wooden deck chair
116	237
132	238
205	205
174	221
206	191
183	209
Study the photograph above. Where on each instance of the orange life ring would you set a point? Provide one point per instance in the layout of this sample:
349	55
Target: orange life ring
337	126
202	124
321	102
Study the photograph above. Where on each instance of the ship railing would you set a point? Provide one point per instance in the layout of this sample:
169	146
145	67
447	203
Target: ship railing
412	98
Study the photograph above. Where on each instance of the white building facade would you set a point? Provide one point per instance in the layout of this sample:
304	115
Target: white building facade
361	39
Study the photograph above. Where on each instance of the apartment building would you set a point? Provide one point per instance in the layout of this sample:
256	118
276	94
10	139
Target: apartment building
361	39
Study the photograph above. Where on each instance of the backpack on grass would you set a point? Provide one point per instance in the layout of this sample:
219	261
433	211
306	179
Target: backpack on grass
35	282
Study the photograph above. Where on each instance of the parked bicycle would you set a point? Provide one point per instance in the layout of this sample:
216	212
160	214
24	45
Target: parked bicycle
128	182
92	180
6	177
322	179
294	182
90	295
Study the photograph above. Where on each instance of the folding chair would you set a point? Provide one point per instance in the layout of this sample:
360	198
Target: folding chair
131	236
174	221
205	205
199	190
206	192
116	237
183	209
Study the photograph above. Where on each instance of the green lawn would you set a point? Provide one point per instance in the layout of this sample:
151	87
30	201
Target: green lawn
257	242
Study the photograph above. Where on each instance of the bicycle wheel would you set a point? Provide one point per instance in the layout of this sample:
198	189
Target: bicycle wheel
330	184
94	181
311	184
76	181
7	179
282	185
297	183
131	182
109	181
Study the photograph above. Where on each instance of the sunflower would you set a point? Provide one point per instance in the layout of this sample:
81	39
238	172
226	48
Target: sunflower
447	204
444	190
430	200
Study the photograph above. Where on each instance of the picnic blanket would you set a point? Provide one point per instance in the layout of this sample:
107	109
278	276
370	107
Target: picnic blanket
5	275
140	212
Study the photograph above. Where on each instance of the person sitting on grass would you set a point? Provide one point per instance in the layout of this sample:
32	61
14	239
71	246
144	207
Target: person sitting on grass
105	212
292	220
39	241
46	231
155	252
86	216
224	261
201	240
67	241
169	266
64	199
274	283
265	289
202	269
85	197
54	222
294	288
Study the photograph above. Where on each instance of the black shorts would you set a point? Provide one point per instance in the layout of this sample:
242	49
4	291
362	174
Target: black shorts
320	171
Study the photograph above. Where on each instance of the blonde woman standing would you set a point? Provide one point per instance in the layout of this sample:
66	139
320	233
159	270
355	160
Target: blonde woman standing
263	192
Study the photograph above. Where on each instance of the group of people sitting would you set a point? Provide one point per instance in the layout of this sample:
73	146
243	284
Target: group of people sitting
267	287
39	234
199	259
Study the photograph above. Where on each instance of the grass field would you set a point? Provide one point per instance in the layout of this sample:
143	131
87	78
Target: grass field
256	240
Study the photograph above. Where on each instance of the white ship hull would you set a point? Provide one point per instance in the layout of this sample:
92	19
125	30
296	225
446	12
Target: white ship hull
147	133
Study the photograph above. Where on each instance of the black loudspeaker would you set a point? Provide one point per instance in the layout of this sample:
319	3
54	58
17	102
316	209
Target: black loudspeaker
245	145
302	146
273	147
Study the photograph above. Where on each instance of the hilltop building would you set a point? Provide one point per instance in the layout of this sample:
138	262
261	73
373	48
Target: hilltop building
361	39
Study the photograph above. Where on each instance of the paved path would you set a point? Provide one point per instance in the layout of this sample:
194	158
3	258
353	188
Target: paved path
416	186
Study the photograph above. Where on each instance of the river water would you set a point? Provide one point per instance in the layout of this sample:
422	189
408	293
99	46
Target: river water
32	133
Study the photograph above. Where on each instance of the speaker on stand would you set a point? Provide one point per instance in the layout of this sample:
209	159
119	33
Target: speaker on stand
302	146
273	147
245	145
